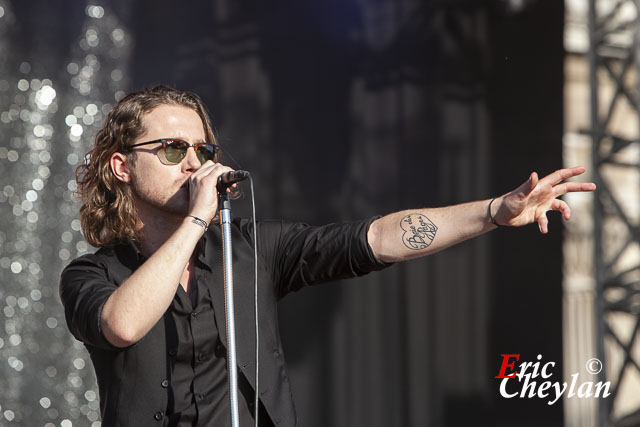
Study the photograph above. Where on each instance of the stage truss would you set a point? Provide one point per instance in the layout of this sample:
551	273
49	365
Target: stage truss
613	71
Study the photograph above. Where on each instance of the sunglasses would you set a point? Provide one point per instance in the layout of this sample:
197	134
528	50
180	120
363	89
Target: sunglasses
173	151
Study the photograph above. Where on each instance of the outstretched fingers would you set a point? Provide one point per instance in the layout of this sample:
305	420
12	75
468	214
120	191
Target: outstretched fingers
571	187
539	195
563	174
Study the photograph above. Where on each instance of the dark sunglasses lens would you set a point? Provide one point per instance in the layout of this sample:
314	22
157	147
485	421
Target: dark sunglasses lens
174	151
206	152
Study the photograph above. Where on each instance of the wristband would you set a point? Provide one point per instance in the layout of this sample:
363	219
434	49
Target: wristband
202	223
493	221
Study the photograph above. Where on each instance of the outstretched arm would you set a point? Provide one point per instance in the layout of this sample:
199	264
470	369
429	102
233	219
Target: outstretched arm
414	233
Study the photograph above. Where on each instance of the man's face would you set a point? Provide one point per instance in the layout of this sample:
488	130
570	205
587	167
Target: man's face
161	189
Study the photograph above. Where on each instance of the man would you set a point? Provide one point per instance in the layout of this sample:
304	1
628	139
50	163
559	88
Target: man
148	305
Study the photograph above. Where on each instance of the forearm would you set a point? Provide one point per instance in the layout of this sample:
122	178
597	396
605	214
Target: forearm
417	232
139	302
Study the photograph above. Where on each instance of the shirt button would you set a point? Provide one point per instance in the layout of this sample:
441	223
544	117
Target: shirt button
165	384
158	415
173	352
194	314
202	357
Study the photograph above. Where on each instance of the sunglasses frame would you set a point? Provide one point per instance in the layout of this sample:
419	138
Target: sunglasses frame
164	141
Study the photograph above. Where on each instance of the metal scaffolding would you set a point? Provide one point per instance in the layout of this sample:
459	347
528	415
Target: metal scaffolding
613	70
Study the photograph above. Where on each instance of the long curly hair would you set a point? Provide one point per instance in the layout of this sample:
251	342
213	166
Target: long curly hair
107	214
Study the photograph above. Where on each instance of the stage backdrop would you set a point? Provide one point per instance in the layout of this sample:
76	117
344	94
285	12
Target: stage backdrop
341	109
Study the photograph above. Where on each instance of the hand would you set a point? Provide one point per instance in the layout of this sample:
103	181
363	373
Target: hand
531	201
203	194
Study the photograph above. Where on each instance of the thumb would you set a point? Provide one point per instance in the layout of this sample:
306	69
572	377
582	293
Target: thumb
532	181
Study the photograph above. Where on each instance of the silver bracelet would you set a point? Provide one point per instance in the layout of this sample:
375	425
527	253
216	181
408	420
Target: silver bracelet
202	223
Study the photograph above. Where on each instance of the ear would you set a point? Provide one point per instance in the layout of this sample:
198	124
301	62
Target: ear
120	167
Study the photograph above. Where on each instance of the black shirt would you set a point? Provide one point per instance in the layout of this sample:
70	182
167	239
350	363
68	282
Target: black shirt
144	384
198	391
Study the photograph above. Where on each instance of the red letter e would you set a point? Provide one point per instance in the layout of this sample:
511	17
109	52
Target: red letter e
505	365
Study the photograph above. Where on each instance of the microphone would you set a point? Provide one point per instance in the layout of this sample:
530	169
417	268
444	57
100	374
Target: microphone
228	179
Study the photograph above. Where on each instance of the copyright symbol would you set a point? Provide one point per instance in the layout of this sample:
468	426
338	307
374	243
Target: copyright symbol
594	366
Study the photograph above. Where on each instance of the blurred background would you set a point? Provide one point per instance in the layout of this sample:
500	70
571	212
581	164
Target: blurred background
344	109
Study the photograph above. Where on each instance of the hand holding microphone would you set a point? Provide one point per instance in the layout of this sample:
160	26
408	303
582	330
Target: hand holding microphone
206	184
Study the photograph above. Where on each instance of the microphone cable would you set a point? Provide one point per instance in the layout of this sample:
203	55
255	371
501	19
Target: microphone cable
256	408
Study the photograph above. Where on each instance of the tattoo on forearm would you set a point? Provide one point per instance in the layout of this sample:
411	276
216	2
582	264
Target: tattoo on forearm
419	231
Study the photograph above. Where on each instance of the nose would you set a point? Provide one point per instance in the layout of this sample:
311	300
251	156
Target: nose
191	161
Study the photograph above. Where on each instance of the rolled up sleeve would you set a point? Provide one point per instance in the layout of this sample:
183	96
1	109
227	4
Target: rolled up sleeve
84	289
305	255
